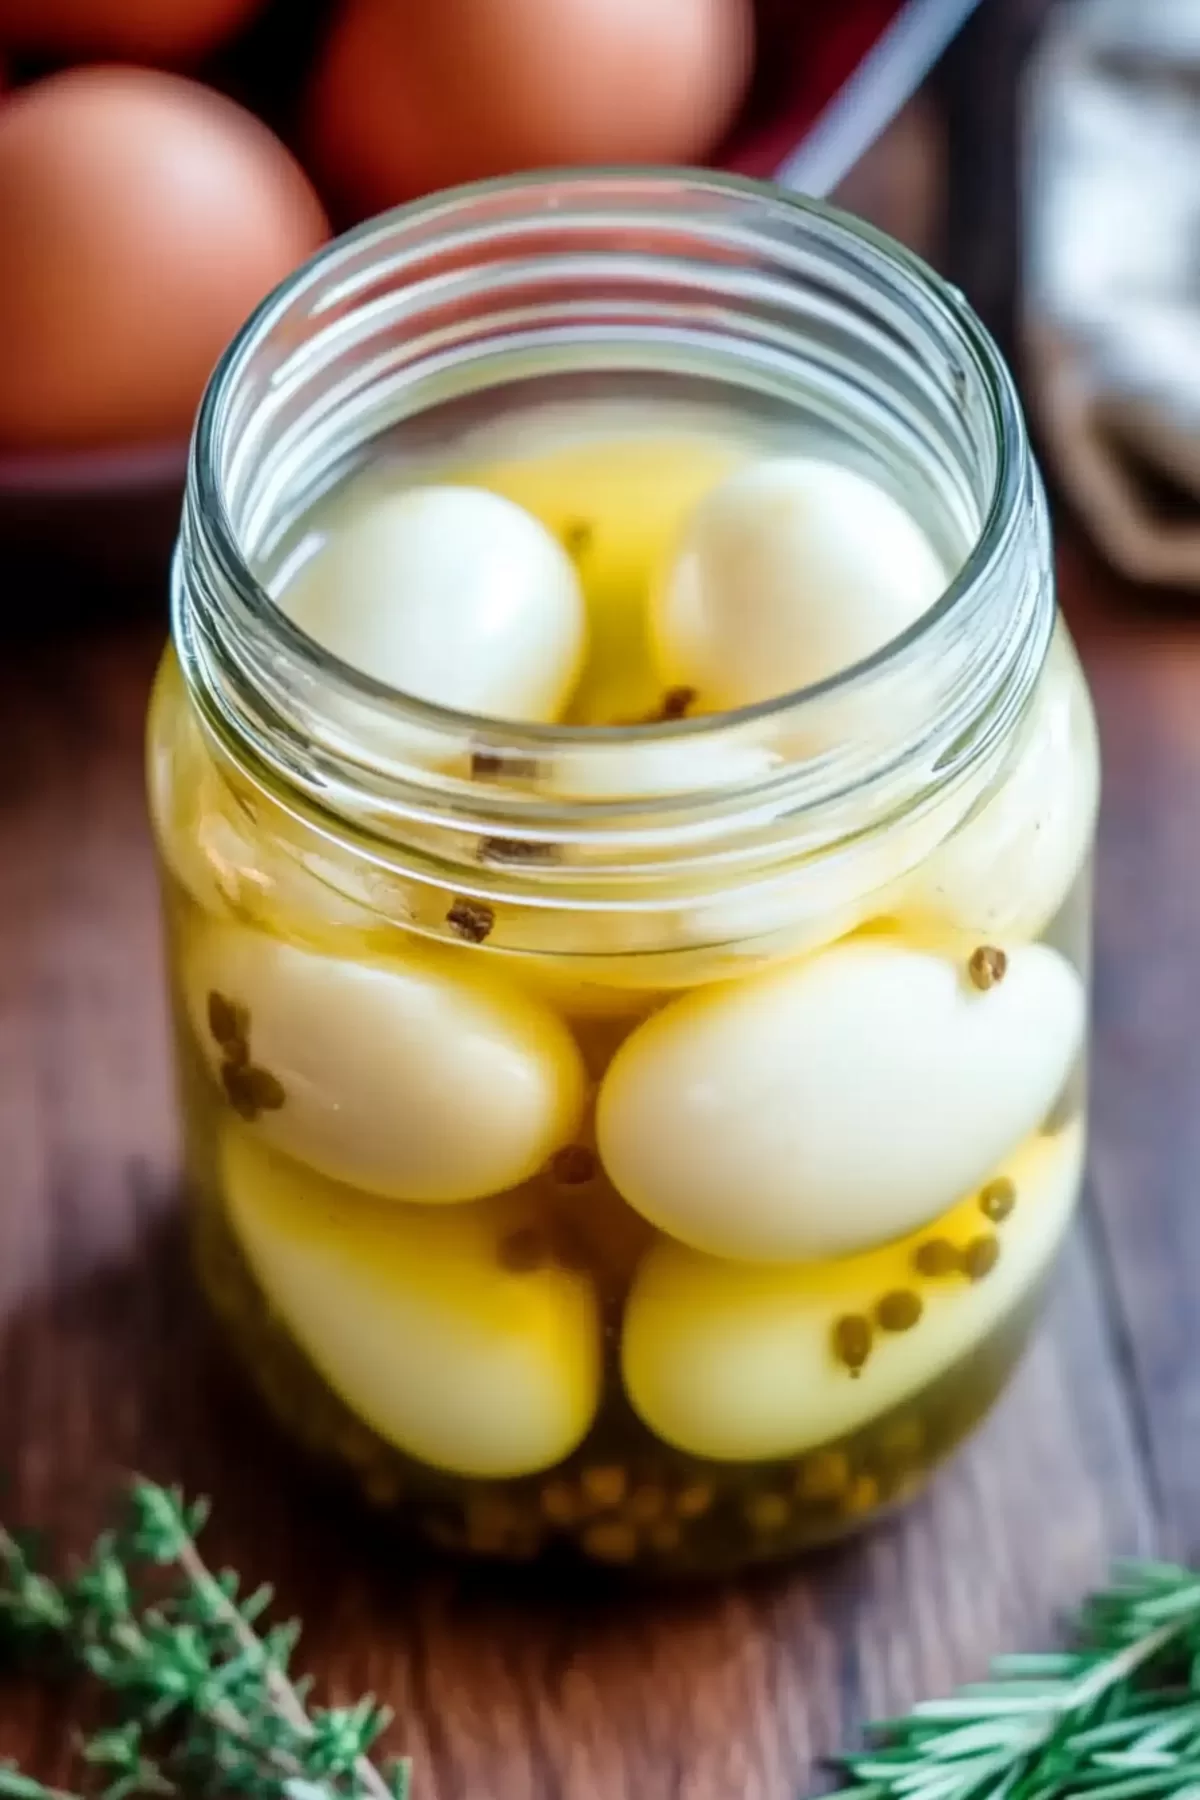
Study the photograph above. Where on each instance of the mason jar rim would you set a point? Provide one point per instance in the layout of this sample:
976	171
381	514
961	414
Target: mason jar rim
724	278
210	505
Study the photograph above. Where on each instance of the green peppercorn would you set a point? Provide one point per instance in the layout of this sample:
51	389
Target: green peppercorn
851	1338
899	1310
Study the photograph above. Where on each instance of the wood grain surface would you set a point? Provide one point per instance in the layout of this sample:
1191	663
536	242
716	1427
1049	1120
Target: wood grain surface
506	1688
501	1686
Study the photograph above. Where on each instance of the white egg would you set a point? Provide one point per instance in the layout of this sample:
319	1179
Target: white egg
1006	872
452	595
789	571
407	1078
413	1318
619	965
264	868
739	1362
767	923
835	1103
665	769
239	854
827	896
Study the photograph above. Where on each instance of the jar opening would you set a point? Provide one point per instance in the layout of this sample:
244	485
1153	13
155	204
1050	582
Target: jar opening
626	278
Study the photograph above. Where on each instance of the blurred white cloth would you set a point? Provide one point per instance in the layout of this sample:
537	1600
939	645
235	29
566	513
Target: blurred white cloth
1111	290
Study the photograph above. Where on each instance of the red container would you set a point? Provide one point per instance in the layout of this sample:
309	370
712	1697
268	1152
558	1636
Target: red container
97	526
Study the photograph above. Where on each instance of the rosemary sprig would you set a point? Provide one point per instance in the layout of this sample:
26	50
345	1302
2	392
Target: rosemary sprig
1115	1717
202	1702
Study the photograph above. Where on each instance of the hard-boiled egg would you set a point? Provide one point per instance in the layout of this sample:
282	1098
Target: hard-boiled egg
142	29
445	1332
142	217
791	570
1006	872
452	595
738	1362
239	854
837	1102
664	769
818	899
411	1078
411	96
618	501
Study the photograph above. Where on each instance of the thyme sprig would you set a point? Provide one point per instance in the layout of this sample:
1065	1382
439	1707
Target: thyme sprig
200	1701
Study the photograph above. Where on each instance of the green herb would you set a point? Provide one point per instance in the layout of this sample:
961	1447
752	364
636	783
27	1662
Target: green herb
201	1702
1115	1717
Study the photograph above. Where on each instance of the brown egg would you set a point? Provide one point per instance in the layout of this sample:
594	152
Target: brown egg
413	95
136	28
142	217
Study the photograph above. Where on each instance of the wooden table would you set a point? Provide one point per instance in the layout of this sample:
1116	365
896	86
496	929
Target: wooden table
504	1690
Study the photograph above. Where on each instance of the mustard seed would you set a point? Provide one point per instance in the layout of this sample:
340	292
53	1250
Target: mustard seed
823	1475
936	1257
488	765
767	1513
987	966
980	1256
251	1090
610	1541
471	920
229	1025
515	851
577	538
677	702
861	1497
997	1199
604	1487
573	1165
851	1338
899	1310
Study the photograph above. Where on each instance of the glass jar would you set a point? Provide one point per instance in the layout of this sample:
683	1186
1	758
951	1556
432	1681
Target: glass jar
649	1139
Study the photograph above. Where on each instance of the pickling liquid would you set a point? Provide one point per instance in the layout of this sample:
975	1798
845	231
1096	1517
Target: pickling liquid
669	1326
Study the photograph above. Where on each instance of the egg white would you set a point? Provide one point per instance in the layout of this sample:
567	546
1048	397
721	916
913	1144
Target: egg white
836	1102
414	1078
451	595
1010	867
412	1317
736	1362
790	570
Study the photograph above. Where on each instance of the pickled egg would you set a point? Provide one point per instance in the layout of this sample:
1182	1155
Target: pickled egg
790	571
823	897
412	1079
739	1362
667	768
837	1102
618	502
142	218
1006	872
239	854
428	1325
452	595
